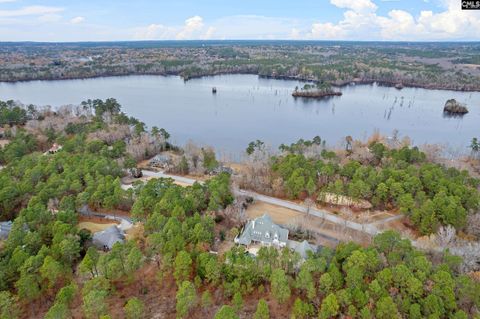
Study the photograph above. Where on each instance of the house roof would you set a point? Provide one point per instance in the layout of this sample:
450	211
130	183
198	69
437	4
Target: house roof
5	228
222	169
160	158
302	248
108	237
262	229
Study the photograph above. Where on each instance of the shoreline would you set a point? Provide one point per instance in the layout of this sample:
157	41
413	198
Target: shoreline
399	85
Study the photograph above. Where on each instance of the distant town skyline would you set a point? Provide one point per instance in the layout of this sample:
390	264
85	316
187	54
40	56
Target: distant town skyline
117	20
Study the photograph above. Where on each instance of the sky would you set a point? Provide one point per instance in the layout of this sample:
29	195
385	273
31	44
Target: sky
122	20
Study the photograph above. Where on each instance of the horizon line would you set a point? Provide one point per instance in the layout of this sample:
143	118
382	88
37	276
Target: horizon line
237	40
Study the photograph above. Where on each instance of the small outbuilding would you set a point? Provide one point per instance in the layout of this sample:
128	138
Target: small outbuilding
221	169
302	248
160	161
108	237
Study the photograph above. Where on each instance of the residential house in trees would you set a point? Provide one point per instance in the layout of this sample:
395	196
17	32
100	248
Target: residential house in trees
263	231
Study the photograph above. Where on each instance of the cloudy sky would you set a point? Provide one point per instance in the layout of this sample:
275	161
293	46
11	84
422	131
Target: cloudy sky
110	20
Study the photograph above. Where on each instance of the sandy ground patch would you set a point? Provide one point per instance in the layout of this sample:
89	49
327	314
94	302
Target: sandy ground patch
3	142
95	227
341	200
135	233
280	215
238	168
225	246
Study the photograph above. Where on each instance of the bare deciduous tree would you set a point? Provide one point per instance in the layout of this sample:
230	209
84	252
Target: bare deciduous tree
446	236
113	133
257	172
473	224
236	212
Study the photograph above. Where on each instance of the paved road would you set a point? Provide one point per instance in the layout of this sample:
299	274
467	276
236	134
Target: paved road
388	219
180	179
153	174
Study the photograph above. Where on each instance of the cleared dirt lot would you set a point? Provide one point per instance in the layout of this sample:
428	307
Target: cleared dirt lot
94	227
280	215
4	142
328	234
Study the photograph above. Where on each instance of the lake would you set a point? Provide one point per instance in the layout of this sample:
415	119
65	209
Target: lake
247	108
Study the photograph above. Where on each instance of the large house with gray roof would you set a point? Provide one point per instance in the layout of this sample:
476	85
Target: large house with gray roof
263	231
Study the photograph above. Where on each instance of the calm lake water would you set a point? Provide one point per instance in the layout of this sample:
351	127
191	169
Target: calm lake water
247	108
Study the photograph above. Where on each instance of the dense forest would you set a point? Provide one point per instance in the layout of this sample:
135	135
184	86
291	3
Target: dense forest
171	267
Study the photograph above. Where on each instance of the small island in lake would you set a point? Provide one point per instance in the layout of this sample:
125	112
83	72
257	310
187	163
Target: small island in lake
452	107
320	90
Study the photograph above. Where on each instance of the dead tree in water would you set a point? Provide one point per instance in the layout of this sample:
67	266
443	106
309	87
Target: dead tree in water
348	146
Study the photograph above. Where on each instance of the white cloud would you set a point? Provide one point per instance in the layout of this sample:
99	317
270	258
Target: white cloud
154	32
295	34
326	31
194	28
191	27
361	22
30	11
355	5
77	20
256	27
231	27
210	33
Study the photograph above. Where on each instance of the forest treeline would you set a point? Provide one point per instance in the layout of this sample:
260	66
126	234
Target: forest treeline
440	66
